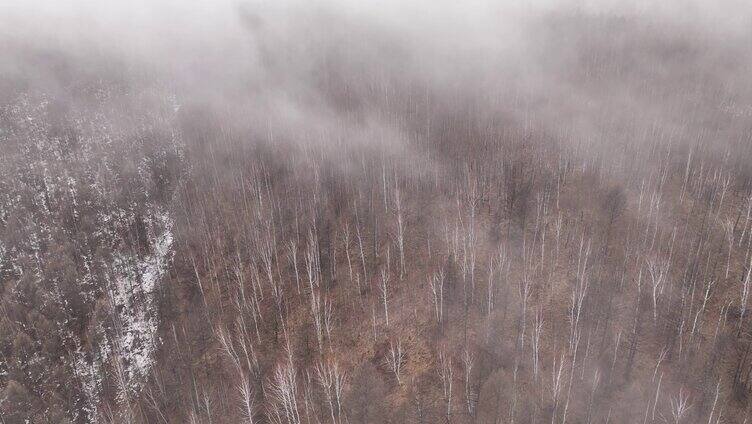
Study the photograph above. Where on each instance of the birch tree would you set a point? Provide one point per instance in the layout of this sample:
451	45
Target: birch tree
384	291
436	284
394	358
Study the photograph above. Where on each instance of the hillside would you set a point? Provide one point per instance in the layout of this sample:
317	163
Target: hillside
339	221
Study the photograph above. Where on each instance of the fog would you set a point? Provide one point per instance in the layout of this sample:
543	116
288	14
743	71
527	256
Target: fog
388	211
261	53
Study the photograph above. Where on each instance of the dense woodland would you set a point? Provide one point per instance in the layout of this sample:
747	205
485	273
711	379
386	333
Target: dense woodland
350	239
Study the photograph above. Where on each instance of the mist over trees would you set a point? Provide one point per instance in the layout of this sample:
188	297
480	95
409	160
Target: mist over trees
335	213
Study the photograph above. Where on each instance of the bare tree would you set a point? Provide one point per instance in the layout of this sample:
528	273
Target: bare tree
536	340
446	372
729	226
556	385
701	310
384	291
468	361
394	358
346	235
318	313
332	382
658	272
579	291
360	245
247	395
283	392
436	284
745	293
400	229
679	406
292	254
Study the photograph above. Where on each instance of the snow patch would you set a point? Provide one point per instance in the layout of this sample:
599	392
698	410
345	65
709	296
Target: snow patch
132	294
133	282
90	375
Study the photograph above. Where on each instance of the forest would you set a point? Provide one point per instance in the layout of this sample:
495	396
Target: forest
333	212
